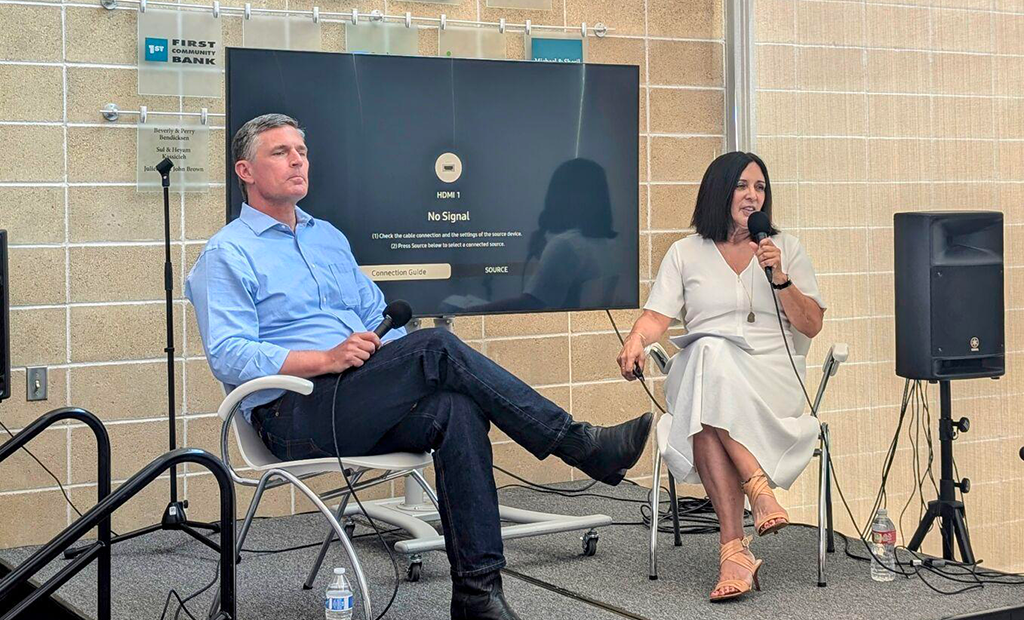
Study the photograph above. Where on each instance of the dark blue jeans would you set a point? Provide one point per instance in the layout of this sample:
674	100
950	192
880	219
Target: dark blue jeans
425	391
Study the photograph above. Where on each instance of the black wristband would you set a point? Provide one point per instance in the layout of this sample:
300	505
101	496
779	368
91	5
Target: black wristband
779	287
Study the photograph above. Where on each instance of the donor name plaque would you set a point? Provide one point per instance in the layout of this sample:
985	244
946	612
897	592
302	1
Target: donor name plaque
180	53
186	144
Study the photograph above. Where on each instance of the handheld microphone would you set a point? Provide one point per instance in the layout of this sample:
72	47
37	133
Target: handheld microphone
396	314
760	228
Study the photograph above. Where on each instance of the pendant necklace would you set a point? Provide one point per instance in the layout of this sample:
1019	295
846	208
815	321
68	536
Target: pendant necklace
750	297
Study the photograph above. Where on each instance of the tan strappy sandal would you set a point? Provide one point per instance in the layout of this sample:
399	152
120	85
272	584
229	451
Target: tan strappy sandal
732	551
754	487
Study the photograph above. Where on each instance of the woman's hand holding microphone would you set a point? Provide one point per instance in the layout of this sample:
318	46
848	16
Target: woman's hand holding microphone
769	255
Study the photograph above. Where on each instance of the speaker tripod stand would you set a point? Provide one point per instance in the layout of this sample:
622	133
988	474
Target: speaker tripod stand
174	517
949	511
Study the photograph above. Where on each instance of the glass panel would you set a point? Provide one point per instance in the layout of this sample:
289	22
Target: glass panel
471	43
376	38
180	53
277	32
542	5
186	143
556	47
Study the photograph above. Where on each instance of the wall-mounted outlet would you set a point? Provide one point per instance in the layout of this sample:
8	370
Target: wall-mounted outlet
36	383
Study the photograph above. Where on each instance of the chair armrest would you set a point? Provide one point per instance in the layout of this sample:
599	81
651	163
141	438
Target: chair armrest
660	356
270	382
838	353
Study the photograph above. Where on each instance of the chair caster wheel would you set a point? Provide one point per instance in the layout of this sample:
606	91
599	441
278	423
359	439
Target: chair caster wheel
415	572
590	543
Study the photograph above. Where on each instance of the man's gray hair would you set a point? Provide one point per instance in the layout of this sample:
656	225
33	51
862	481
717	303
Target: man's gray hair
245	142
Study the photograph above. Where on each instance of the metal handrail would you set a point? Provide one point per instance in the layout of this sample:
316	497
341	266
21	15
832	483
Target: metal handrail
101	548
101	513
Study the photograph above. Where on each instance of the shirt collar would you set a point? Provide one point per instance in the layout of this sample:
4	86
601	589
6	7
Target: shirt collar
260	222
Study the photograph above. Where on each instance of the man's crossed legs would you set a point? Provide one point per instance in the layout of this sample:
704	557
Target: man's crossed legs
431	391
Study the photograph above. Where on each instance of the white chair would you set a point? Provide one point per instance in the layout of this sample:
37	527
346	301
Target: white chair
837	354
261	461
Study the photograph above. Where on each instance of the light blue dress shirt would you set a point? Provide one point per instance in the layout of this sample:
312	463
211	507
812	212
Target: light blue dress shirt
260	291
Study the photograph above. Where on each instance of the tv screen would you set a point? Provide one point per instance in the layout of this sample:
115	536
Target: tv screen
464	186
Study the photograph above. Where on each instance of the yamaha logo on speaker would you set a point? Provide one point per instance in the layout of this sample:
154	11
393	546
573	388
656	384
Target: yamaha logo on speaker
975	344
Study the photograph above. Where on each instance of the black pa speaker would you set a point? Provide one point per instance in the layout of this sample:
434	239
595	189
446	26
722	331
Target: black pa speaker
949	295
5	323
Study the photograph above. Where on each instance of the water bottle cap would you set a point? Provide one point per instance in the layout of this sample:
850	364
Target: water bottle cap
882	512
339	571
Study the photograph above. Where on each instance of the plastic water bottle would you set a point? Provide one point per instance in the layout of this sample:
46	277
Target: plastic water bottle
883	546
338	600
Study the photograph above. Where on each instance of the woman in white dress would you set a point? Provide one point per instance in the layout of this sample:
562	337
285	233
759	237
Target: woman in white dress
738	425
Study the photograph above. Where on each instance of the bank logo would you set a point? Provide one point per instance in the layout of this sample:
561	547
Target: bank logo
156	50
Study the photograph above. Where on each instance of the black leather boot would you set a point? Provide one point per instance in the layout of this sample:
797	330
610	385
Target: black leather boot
605	453
480	598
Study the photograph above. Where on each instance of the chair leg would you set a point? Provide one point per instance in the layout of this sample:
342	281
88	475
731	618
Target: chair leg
828	494
652	572
675	510
823	482
251	513
357	568
328	537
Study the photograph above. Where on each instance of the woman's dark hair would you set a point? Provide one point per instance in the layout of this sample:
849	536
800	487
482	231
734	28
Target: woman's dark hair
712	217
577	198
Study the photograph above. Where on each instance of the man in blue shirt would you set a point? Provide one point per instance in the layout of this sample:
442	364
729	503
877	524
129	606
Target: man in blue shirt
278	292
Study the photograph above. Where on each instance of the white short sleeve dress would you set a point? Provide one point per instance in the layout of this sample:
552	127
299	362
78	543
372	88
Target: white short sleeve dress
731	373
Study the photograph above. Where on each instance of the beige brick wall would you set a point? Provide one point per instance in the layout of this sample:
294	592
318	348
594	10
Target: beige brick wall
870	108
86	248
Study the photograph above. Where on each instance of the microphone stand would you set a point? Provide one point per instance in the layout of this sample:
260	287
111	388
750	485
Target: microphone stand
174	517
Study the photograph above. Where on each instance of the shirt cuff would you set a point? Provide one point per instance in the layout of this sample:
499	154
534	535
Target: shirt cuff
268	360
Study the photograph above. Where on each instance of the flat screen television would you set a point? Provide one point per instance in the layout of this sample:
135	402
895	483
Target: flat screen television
464	186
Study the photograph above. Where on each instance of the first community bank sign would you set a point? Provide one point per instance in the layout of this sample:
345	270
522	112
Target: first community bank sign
181	51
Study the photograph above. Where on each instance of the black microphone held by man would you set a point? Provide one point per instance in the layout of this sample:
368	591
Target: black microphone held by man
396	315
